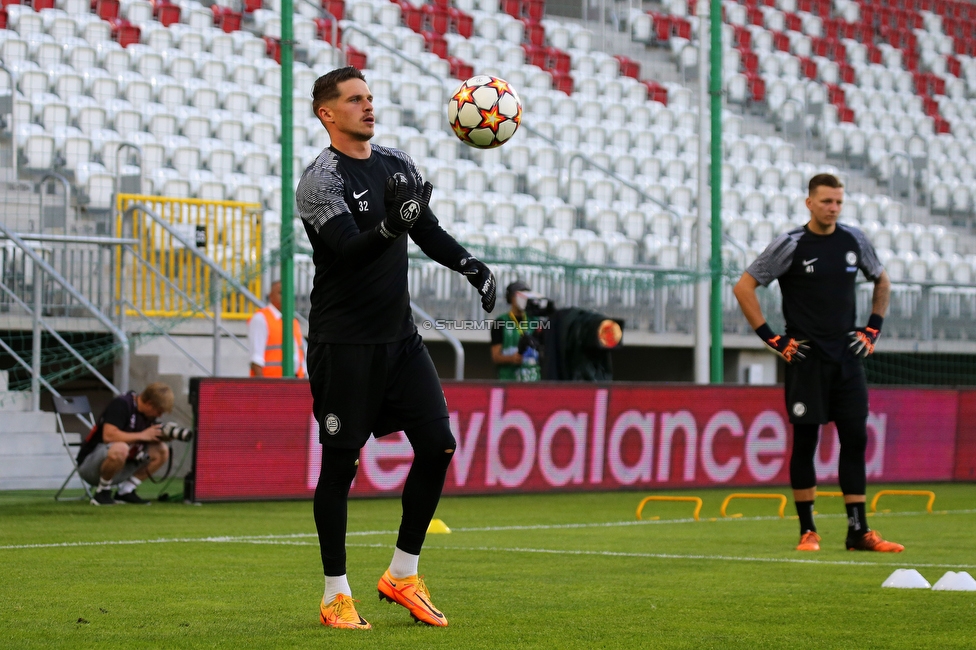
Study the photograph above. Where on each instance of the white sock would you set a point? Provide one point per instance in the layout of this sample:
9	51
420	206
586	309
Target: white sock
129	485
404	564
104	484
335	585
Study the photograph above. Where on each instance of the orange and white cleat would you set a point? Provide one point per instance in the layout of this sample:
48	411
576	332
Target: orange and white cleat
341	613
809	541
413	594
871	541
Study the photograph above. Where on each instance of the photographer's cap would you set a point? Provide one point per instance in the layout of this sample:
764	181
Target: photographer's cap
514	288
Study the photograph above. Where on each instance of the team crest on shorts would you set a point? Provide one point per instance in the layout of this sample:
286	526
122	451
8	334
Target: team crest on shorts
851	258
799	409
332	424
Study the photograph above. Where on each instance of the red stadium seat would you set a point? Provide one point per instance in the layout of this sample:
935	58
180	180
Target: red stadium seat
930	106
846	73
535	54
107	9
793	22
252	5
534	9
460	69
681	27
226	18
874	54
3	18
781	42
835	95
743	37
755	16
563	82
808	67
435	43
535	33
324	28
461	23
42	4
512	7
845	114
757	87
628	67
953	66
558	61
355	58
749	61
656	92
335	7
662	27
273	48
124	32
942	126
413	18
167	13
437	18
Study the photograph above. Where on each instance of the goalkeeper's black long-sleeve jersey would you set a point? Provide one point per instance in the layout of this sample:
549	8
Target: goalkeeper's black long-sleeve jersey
359	294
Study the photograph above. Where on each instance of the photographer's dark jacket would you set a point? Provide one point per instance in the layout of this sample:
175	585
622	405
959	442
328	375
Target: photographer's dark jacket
122	413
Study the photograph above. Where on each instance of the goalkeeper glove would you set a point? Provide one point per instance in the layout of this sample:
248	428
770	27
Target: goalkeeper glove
481	278
786	347
863	339
405	199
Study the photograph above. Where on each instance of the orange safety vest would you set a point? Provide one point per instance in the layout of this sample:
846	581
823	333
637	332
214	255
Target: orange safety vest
272	349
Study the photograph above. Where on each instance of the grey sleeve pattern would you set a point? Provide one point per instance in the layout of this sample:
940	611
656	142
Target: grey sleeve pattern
776	259
868	262
320	193
404	157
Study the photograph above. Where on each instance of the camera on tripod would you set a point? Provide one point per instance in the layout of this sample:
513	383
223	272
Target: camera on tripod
173	431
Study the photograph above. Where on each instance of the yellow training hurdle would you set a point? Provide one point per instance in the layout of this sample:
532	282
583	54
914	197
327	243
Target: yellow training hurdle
743	495
167	280
914	493
830	494
697	501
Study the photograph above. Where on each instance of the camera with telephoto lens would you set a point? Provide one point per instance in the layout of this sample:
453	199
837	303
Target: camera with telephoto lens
173	431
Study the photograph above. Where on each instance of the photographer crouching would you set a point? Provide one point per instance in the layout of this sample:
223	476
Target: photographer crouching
127	444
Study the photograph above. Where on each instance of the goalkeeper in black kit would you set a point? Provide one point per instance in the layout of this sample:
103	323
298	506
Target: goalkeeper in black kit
369	370
817	266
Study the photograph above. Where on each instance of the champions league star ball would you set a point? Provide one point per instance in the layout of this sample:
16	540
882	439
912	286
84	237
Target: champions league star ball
484	112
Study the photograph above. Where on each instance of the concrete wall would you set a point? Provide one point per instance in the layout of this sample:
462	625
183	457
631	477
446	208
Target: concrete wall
31	454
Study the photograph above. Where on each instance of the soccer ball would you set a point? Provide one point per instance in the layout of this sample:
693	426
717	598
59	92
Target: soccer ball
484	112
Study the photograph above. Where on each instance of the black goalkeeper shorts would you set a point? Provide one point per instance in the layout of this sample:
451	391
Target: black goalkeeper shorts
358	390
820	390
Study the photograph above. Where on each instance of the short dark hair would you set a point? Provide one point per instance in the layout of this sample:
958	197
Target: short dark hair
326	88
825	180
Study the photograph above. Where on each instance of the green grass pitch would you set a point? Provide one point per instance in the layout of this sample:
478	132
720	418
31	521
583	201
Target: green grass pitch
518	571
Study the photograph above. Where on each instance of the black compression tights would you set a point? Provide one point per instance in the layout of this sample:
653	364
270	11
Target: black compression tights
853	438
433	447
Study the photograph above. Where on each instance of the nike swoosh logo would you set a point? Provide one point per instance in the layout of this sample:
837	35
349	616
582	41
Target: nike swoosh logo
356	196
805	262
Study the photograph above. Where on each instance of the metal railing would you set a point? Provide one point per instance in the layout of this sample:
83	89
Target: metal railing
191	242
41	269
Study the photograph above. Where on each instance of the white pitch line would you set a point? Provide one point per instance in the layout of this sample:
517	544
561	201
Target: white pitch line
678	556
283	539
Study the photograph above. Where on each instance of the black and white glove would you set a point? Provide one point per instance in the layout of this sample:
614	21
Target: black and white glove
405	199
481	278
863	339
788	348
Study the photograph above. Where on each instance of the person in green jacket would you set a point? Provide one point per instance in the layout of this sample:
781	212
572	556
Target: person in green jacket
510	350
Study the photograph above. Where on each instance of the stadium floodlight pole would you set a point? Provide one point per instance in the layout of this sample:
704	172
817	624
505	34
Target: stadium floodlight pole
718	351
287	194
703	244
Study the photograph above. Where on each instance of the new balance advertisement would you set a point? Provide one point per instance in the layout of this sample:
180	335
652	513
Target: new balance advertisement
257	439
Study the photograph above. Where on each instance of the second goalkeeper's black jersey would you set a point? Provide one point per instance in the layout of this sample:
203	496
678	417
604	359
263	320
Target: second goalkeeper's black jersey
817	275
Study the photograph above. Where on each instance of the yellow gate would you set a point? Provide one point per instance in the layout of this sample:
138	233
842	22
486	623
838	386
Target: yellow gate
166	279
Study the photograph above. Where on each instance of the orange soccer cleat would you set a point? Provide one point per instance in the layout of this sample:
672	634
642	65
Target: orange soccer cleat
871	541
413	594
341	613
809	541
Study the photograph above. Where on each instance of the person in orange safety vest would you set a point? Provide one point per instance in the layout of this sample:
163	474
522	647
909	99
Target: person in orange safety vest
264	332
